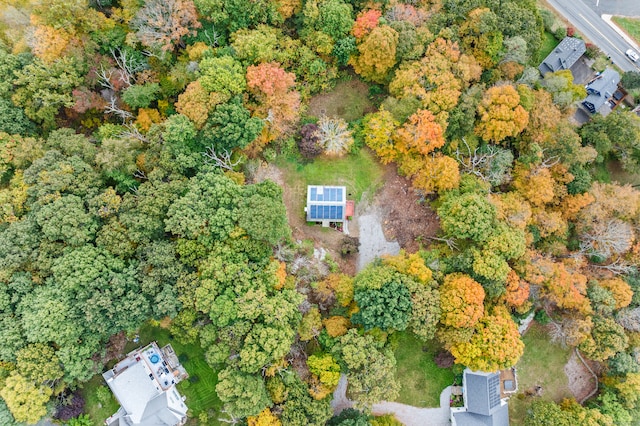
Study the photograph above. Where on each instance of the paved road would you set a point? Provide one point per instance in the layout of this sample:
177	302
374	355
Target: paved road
615	7
593	27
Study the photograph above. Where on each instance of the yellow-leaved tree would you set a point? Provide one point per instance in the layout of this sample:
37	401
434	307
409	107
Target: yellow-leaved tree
495	344
501	115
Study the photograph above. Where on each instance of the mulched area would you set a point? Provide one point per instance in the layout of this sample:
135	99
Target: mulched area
407	218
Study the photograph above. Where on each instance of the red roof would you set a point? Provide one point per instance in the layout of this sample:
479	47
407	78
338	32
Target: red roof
351	208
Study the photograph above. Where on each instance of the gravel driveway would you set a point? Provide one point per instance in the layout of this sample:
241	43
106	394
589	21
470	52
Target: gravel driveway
407	414
416	416
372	241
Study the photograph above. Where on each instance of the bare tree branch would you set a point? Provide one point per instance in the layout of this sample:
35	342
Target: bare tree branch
214	38
127	64
605	239
222	160
617	267
104	78
450	242
113	108
133	132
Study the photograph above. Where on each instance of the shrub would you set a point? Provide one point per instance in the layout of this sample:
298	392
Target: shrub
309	144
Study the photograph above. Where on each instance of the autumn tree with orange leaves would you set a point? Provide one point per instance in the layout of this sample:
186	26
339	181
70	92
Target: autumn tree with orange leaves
276	98
365	23
420	134
461	300
562	285
437	80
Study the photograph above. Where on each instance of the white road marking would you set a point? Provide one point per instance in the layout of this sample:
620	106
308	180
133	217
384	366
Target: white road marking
602	35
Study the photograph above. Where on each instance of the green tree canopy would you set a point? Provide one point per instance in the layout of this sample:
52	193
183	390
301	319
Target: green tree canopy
387	308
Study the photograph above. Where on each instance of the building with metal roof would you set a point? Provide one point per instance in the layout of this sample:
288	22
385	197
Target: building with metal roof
563	56
326	204
483	404
144	383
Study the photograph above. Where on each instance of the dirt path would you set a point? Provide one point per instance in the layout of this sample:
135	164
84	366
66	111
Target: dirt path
340	401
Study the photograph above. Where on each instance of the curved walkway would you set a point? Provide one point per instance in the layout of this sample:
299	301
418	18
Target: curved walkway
407	414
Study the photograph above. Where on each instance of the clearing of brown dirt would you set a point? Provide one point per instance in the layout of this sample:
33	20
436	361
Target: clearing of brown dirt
405	218
581	381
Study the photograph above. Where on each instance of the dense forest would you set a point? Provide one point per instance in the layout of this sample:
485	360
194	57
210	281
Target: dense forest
130	132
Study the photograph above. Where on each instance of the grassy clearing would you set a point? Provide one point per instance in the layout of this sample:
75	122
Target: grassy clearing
631	26
543	365
421	380
618	174
98	410
549	42
360	173
349	100
200	388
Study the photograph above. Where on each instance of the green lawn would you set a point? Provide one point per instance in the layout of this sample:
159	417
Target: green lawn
200	388
542	364
618	174
630	25
360	173
421	380
98	410
549	42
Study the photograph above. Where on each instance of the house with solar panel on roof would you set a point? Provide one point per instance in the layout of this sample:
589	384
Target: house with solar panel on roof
329	206
144	383
564	56
483	401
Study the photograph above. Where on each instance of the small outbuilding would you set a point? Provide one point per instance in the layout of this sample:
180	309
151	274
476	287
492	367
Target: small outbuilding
327	204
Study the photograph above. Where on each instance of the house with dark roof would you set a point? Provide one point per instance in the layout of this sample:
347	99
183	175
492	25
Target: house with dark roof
563	56
483	404
328	204
144	383
601	89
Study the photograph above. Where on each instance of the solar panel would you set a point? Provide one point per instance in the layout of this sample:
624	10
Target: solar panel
494	391
317	212
319	193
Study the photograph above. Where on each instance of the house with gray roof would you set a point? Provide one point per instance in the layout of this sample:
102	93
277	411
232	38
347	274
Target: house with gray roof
483	404
144	383
601	89
563	56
